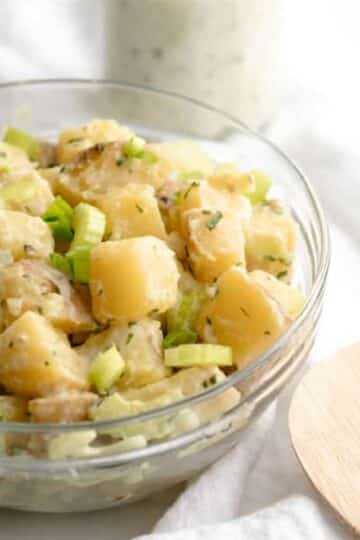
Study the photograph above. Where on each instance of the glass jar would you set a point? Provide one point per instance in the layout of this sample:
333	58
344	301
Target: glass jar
221	52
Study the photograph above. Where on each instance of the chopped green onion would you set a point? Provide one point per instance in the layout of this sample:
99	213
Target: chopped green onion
179	337
59	217
23	140
106	369
262	186
60	262
199	354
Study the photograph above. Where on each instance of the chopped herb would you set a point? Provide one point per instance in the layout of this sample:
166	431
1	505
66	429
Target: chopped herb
280	275
192	185
62	168
165	200
129	338
206	212
277	259
208	320
243	310
29	249
213	220
119	161
75	140
209	382
100	291
131	323
239	263
153	312
47	363
270	258
139	208
267	333
40	310
212	379
3	154
11	344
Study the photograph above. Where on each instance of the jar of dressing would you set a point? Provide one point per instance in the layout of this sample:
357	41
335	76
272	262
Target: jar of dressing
221	52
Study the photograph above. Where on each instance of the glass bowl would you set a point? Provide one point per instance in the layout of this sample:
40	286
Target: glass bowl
98	472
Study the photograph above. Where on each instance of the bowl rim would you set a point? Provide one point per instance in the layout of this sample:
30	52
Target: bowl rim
241	374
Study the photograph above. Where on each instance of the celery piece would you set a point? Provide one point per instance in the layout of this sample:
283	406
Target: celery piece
89	226
184	314
199	354
23	140
106	369
59	217
135	148
18	191
179	337
79	261
60	262
262	186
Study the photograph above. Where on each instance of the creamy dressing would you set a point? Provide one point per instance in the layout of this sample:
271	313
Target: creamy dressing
221	52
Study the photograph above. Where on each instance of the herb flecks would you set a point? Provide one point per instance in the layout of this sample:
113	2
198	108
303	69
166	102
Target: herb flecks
209	321
246	313
129	338
139	208
214	220
119	161
267	333
282	274
192	186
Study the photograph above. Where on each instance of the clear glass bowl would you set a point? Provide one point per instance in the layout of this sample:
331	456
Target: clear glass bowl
106	477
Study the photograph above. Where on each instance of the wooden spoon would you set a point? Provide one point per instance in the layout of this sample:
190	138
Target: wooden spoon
324	421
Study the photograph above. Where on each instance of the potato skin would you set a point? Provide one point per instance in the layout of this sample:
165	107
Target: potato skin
241	315
132	211
36	359
212	250
25	236
146	279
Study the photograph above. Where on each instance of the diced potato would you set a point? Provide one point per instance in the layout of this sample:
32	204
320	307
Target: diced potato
228	177
215	241
188	381
289	298
242	315
183	155
140	345
270	240
31	285
132	211
13	409
37	360
201	195
25	235
146	279
73	141
13	158
103	167
62	408
25	191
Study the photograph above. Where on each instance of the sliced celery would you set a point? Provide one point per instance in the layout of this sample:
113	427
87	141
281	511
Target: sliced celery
135	148
106	369
60	262
18	191
23	140
198	355
79	261
89	226
179	337
184	314
262	186
59	217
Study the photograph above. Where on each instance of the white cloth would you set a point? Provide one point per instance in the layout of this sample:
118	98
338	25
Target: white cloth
258	491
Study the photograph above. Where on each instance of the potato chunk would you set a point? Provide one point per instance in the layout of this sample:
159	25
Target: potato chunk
242	315
73	141
131	278
13	409
62	408
36	359
183	155
140	345
227	176
215	241
13	158
271	240
201	195
103	167
24	235
25	191
31	285
132	211
289	298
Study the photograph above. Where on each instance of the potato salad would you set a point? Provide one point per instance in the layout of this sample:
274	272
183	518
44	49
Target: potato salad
133	274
